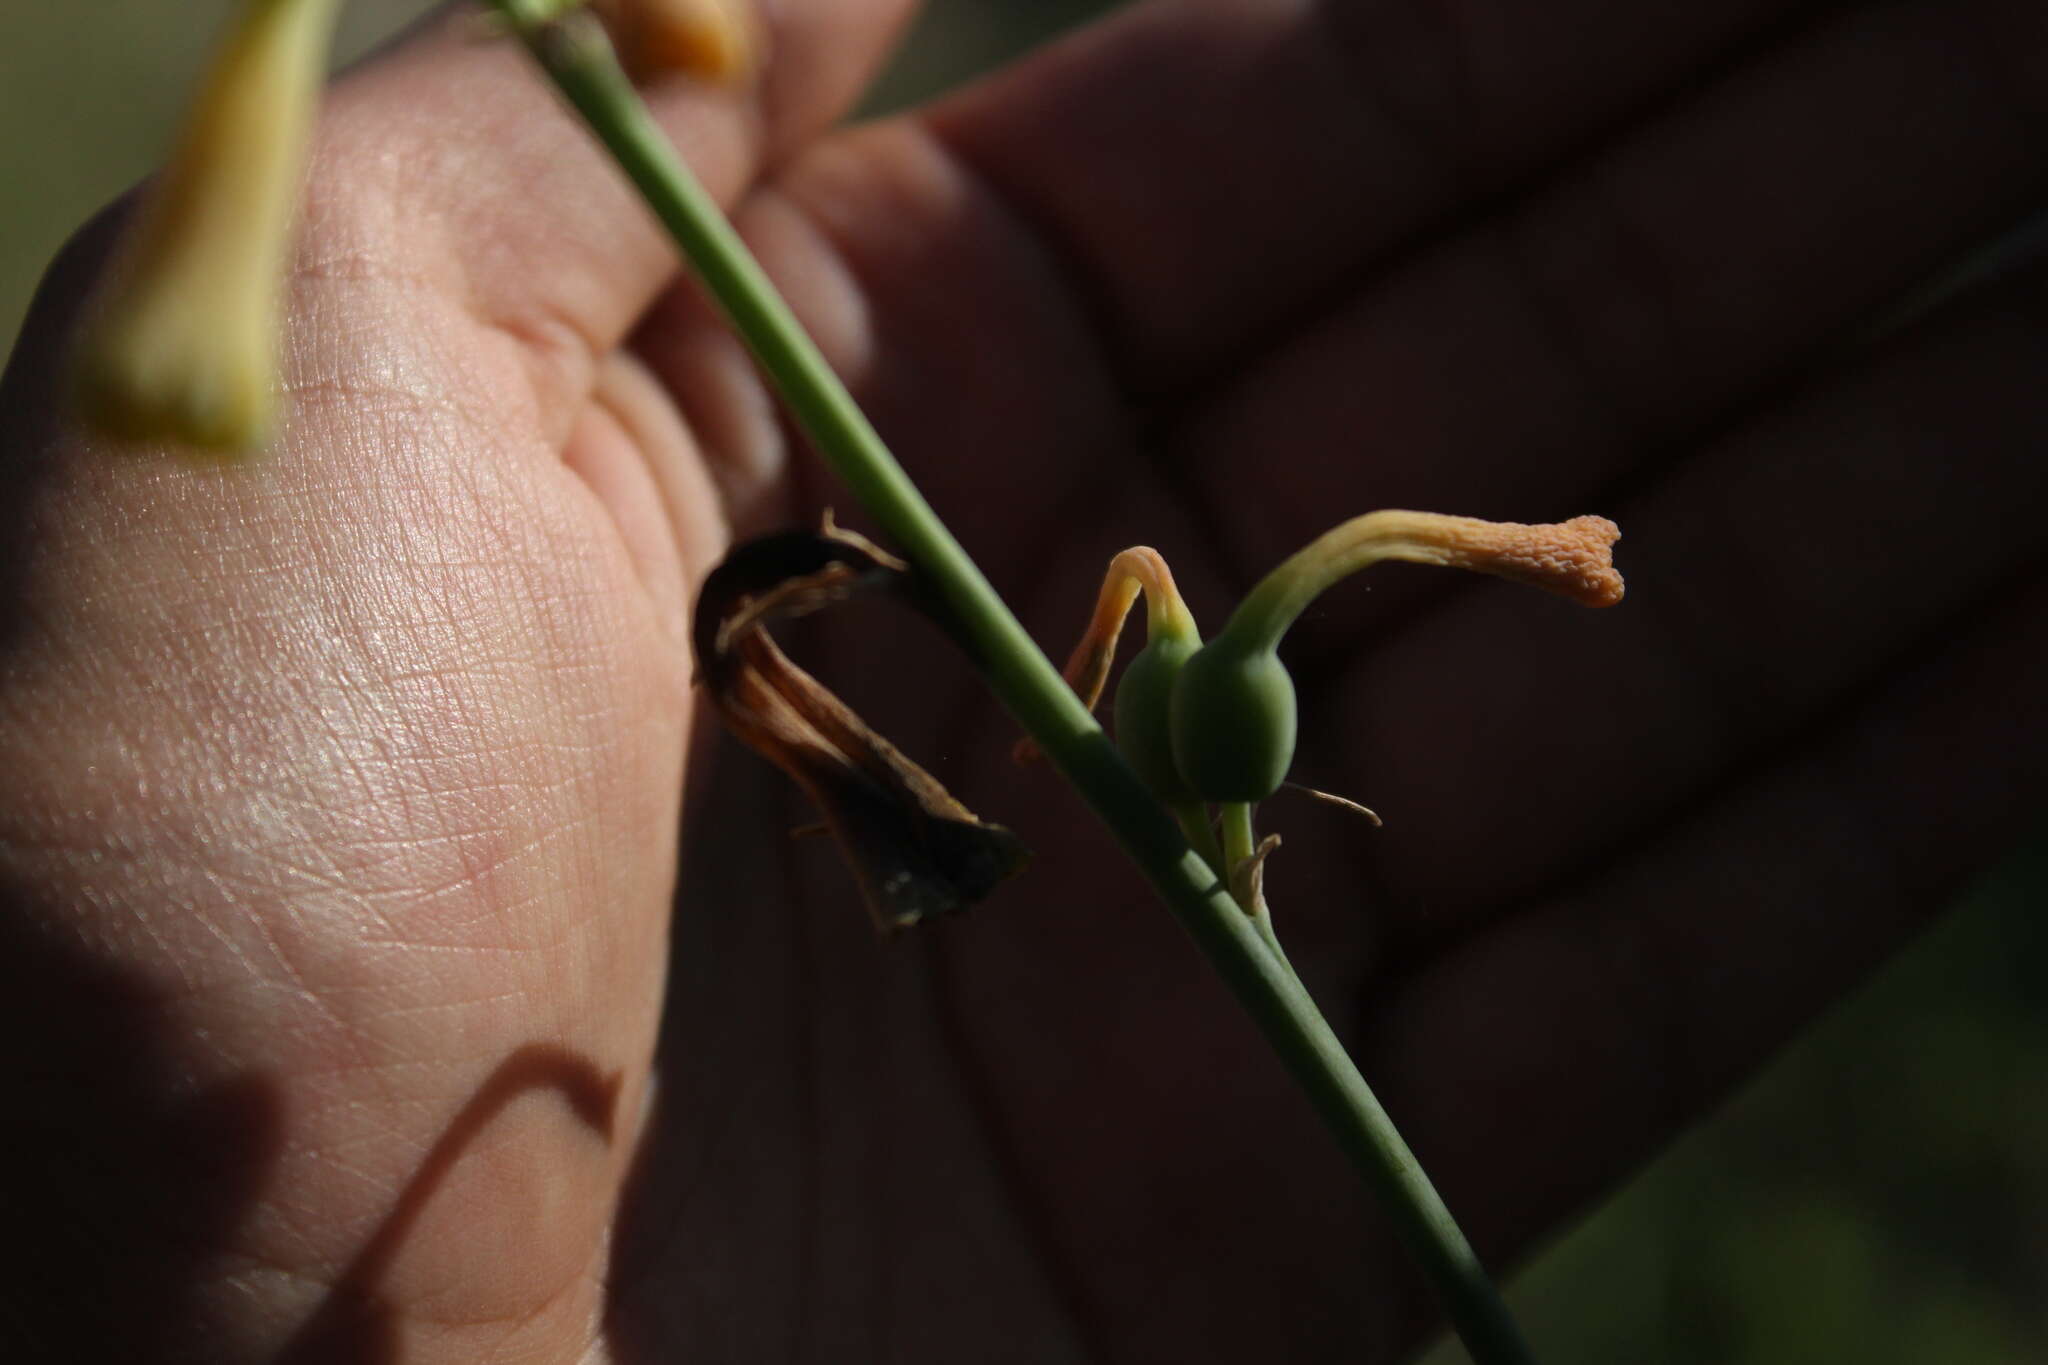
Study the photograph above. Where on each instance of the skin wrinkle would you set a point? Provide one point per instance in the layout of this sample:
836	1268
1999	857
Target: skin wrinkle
1601	404
285	970
898	170
1528	125
649	511
313	821
1069	1286
1664	416
1423	957
1823	751
369	403
1416	929
1089	303
584	1279
731	419
472	872
1421	89
193	907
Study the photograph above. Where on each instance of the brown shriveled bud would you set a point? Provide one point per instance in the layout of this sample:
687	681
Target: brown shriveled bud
1248	880
913	850
710	40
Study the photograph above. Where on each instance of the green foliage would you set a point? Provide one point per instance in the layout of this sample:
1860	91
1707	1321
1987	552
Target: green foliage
1878	1195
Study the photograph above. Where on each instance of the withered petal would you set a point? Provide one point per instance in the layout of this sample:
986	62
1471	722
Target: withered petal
913	850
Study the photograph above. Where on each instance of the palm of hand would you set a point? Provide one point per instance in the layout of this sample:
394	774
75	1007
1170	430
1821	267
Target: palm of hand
452	657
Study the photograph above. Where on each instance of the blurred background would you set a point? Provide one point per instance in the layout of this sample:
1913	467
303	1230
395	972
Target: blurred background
1880	1194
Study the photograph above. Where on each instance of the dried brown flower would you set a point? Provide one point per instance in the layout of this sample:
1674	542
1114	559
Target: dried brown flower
912	848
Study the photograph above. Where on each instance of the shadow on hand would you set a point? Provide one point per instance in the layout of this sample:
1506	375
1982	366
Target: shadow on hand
125	1179
354	1325
33	403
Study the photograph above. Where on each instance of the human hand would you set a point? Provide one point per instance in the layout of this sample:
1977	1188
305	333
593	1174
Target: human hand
349	780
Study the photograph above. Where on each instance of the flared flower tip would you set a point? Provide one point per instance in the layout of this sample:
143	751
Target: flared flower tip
1572	558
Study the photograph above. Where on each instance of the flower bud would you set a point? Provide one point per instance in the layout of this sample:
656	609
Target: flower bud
1234	720
1144	700
1142	696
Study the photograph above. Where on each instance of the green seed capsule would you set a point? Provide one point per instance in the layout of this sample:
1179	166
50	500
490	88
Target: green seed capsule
1233	721
1144	701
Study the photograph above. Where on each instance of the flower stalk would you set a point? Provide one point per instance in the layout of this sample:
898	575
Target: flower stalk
575	55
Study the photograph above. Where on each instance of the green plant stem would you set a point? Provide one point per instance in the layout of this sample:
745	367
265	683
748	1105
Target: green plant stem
1239	842
574	53
1193	819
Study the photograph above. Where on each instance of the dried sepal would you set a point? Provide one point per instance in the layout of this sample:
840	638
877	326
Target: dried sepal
914	851
1248	880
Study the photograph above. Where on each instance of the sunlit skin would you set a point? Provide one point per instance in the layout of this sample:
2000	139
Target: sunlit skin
339	824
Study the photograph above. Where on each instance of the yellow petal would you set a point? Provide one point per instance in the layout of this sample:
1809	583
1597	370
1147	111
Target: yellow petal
184	345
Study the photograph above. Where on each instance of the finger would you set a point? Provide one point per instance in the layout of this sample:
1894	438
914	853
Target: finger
448	161
949	321
1212	169
1643	994
1773	577
1525	363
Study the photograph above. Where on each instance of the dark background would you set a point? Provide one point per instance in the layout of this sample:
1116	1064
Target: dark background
1879	1195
